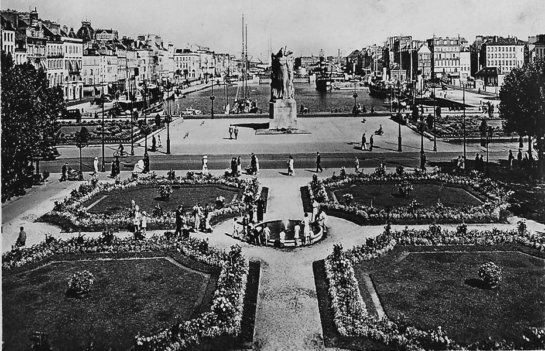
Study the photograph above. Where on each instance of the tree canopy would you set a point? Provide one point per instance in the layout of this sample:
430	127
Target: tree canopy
523	100
29	122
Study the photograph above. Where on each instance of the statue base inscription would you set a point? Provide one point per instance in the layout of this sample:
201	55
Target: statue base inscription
283	114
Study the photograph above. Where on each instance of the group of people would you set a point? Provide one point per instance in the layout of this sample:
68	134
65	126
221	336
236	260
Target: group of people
371	141
67	173
525	162
233	130
201	220
246	228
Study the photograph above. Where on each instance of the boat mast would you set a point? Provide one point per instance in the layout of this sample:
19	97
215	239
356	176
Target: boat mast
247	91
243	61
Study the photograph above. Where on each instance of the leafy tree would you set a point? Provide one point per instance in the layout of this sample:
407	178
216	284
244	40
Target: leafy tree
523	103
29	122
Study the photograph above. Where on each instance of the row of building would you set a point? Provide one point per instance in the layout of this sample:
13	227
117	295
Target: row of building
89	62
452	59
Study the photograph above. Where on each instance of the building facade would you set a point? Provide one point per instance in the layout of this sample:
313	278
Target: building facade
445	56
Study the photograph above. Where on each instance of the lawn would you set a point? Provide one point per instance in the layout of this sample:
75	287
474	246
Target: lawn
428	290
147	197
383	195
128	296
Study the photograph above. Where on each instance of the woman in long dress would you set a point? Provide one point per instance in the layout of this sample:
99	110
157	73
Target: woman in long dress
239	166
290	166
197	217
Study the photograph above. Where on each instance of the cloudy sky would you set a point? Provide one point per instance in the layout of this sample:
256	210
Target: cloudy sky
305	26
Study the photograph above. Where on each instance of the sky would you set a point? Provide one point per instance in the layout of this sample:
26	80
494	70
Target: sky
304	26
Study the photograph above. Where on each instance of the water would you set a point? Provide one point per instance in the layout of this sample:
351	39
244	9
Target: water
306	94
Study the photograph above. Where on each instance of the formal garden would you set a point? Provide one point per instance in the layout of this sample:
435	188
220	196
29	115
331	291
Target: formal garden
435	289
414	197
109	293
95	205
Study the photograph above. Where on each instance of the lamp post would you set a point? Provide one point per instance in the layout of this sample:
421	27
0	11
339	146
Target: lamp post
168	117
434	118
212	97
464	118
145	120
355	96
132	119
102	101
422	153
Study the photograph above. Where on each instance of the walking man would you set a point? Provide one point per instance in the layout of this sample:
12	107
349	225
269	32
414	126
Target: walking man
21	239
363	142
178	220
319	162
230	131
64	171
95	165
290	166
371	143
236	132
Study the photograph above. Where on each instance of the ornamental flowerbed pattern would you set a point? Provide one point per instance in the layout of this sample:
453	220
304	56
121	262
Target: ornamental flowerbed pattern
352	322
70	214
492	210
225	317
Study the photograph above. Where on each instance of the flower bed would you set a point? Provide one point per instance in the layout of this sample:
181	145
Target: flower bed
70	214
224	319
492	210
343	288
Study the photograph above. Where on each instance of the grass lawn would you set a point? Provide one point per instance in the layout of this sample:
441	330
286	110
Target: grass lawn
147	197
441	289
382	195
128	296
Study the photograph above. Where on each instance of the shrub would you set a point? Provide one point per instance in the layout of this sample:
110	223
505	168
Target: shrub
461	229
165	191
348	198
400	170
80	283
491	274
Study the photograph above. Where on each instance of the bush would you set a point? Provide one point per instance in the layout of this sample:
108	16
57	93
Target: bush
80	284
348	198
491	274
165	191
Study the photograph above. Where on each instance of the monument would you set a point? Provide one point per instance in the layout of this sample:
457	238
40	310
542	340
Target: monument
282	107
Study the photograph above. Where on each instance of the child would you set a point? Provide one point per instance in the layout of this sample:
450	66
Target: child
236	229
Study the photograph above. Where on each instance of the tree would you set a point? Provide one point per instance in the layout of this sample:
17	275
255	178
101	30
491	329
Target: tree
523	104
82	140
30	109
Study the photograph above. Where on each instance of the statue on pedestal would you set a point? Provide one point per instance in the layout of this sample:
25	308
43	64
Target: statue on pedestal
282	75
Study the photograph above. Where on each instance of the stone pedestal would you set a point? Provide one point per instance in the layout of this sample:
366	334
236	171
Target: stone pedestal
283	114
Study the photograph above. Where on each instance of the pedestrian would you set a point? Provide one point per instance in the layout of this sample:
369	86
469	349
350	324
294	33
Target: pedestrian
253	164
64	171
322	221
239	166
356	164
197	217
521	142
306	228
282	238
95	165
153	143
256	165
463	164
159	141
363	142
146	163
266	234
205	165
315	210
236	228
207	226
234	167
477	166
519	159
296	232
290	166
371	143
481	163
136	219
113	172
144	223
231	131
319	162
236	132
510	159
179	222
21	239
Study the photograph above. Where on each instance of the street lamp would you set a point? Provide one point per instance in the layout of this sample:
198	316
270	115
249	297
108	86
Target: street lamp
102	101
434	118
168	117
355	96
422	153
132	119
464	118
212	97
145	129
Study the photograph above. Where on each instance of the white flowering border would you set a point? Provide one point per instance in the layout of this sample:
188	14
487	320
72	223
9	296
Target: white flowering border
71	211
350	323
227	304
490	211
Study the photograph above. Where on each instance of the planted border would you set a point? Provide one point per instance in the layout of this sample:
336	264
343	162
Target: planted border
225	317
343	288
493	209
71	215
